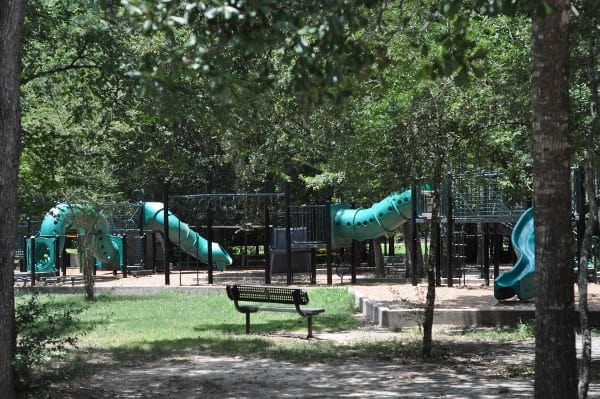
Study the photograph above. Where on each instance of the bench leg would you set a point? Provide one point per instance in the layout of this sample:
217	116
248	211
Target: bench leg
247	322
310	334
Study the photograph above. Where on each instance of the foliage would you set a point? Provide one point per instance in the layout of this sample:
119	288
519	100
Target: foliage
43	334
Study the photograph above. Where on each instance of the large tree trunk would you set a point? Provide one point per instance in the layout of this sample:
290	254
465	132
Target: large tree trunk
11	28
555	357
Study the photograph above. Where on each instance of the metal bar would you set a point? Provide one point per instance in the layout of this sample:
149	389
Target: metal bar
267	239
166	231
328	243
209	221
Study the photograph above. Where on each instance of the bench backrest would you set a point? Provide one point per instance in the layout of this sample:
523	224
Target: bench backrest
253	293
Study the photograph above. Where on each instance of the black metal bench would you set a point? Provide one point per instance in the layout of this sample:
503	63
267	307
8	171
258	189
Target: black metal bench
271	294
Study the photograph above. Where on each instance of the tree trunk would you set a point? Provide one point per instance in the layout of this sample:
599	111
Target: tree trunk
11	28
431	280
555	357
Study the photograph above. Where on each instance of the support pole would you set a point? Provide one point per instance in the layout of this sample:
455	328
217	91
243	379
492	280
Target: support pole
313	266
288	234
267	238
497	245
57	258
32	256
486	253
450	230
328	243
209	239
125	249
353	261
166	232
142	236
438	253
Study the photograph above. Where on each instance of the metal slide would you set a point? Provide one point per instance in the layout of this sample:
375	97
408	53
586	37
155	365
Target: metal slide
383	217
520	279
183	236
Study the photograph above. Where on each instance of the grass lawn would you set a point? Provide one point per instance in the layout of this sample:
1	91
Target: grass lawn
152	325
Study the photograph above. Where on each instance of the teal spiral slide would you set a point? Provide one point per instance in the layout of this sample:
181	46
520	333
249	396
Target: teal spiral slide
520	279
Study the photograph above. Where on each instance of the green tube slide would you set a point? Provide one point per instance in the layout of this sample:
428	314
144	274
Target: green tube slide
62	218
183	236
520	279
383	217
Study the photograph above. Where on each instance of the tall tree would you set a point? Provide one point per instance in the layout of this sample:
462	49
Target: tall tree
11	30
555	356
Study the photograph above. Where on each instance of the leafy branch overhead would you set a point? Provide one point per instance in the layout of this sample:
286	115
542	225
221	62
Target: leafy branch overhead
315	43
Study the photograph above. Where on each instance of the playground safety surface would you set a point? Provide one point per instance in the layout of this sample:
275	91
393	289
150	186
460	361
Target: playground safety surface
477	368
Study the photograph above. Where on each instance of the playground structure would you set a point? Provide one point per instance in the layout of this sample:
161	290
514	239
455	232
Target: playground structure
44	249
288	238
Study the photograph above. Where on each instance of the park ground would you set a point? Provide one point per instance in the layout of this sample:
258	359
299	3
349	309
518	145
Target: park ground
465	364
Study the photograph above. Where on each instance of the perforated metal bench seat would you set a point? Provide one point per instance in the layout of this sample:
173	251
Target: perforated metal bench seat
271	294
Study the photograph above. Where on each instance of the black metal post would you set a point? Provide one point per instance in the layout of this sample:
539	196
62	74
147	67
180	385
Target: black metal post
267	238
23	265
125	249
209	239
438	253
414	236
353	261
57	258
486	253
32	256
497	246
450	238
153	234
313	266
166	231
142	235
288	233
328	243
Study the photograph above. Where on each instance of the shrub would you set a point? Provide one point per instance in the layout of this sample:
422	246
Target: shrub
42	335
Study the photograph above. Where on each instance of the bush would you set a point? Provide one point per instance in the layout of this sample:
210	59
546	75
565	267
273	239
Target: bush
42	335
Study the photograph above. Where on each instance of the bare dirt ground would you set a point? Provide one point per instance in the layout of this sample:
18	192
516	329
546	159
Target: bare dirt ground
476	368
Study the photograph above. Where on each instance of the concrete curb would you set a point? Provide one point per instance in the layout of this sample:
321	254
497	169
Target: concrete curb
383	316
135	290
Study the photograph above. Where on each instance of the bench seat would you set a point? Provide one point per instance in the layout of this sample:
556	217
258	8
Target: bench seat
275	295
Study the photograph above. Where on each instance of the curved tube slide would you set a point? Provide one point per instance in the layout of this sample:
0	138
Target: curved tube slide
383	217
183	236
520	279
63	217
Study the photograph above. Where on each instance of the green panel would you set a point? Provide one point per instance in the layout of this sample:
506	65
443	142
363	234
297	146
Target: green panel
385	216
